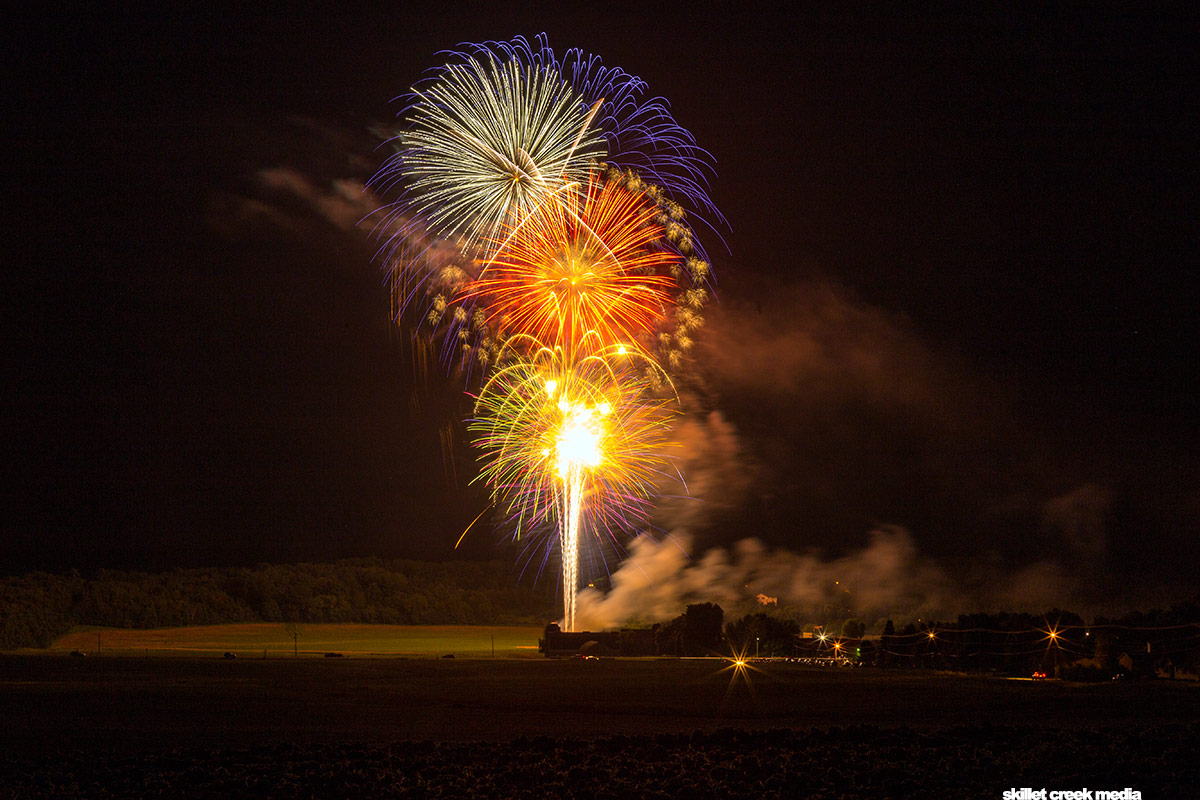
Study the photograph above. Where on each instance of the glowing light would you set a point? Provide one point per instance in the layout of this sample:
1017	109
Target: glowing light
739	667
579	438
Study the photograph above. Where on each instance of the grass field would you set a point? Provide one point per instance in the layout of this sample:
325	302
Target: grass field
252	640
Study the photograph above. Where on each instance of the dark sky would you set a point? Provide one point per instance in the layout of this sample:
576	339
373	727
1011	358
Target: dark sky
960	293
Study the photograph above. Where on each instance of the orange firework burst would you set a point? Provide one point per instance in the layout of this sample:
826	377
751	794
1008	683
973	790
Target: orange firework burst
586	260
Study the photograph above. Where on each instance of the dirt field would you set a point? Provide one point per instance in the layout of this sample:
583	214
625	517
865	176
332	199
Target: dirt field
85	726
252	640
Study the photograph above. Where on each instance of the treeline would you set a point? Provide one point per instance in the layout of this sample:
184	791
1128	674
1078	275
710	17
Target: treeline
37	608
1057	642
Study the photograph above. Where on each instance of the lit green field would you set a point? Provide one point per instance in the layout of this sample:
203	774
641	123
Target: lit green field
253	639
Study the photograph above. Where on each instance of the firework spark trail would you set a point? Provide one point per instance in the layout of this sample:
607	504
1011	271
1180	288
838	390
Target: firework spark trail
569	545
577	450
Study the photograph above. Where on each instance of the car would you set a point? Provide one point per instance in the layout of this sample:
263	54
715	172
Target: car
333	655
1039	676
229	655
78	654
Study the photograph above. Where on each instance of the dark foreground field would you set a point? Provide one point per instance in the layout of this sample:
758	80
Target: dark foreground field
453	728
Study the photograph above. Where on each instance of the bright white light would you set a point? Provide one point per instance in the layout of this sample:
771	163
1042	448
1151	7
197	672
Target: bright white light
578	440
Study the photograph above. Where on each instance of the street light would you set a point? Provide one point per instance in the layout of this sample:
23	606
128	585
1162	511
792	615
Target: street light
756	647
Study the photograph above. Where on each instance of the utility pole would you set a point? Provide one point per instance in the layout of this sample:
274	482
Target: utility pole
292	630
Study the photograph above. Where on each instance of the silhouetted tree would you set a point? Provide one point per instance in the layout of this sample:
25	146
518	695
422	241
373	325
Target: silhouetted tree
763	634
668	638
702	629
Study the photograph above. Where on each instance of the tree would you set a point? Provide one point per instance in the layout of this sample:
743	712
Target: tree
668	638
763	634
702	628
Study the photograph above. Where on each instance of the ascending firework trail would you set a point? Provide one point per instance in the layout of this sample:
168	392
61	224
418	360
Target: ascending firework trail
541	233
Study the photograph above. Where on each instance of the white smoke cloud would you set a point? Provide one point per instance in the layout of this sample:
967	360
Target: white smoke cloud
1079	516
885	579
345	203
713	472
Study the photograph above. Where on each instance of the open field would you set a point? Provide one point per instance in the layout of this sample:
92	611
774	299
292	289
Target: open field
353	727
134	703
252	640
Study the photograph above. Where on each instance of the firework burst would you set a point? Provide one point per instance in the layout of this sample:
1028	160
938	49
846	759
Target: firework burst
585	262
571	445
485	140
639	133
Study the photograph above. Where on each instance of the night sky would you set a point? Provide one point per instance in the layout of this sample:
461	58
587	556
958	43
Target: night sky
958	297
